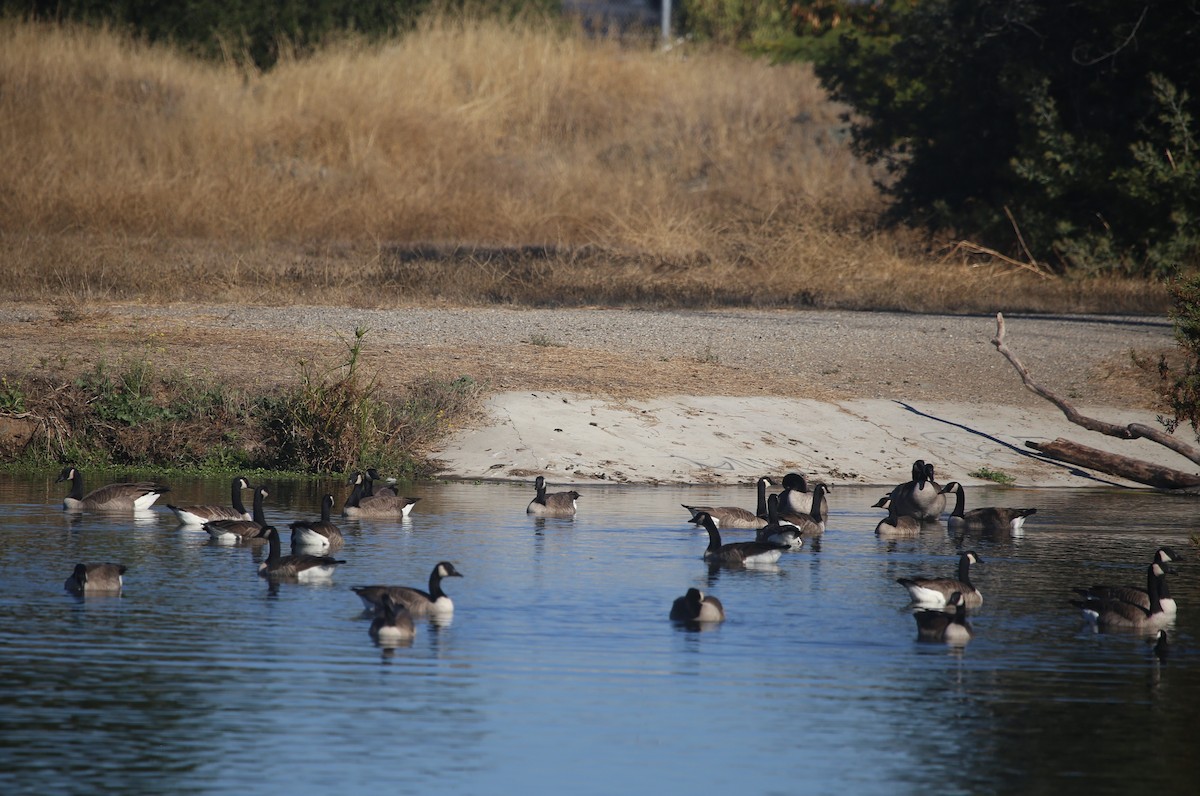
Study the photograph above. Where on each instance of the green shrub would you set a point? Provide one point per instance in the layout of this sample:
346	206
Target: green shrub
1073	123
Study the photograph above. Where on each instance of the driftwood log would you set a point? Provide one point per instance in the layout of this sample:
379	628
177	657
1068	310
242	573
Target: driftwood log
1113	464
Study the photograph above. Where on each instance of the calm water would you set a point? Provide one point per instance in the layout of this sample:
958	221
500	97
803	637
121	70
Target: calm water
560	672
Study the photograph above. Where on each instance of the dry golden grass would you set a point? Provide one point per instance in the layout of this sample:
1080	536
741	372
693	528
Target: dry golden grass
692	177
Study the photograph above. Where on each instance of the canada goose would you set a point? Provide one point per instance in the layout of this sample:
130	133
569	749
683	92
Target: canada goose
241	530
735	516
796	498
949	626
921	497
369	489
1138	596
780	532
811	523
896	526
375	506
198	515
415	601
555	504
392	622
935	591
736	552
89	578
296	566
113	497
1110	614
319	534
989	518
884	503
697	607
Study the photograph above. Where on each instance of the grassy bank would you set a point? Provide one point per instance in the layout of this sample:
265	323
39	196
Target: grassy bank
468	163
330	418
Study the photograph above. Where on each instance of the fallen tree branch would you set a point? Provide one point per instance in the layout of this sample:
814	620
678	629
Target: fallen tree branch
1114	464
1130	431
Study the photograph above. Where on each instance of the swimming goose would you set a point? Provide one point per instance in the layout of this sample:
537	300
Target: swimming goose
296	566
736	516
921	497
780	532
376	506
88	578
949	626
811	523
795	497
935	591
555	504
736	552
415	601
198	515
989	518
1137	596
113	497
318	534
1110	614
896	526
392	622
697	607
241	530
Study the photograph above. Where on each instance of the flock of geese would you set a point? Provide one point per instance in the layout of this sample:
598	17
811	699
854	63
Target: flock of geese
782	522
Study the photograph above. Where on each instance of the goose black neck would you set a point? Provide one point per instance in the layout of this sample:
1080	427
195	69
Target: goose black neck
274	554
761	508
435	583
815	512
76	485
1154	578
356	493
326	508
964	569
258	515
714	536
235	496
960	502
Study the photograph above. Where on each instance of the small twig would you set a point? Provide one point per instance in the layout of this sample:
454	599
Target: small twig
975	248
1021	240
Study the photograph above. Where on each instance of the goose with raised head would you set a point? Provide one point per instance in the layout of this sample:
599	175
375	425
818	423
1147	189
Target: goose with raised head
198	515
779	532
921	497
1138	596
729	517
417	602
229	531
936	591
296	566
137	496
696	607
950	625
376	506
319	534
392	623
987	518
1113	614
552	504
92	578
813	522
747	553
796	497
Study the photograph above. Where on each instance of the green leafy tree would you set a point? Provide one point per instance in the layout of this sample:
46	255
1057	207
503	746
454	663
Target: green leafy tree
1073	122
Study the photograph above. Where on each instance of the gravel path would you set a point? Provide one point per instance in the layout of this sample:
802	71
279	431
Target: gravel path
818	354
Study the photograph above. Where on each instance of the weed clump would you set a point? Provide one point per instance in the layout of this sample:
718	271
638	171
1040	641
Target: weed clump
131	413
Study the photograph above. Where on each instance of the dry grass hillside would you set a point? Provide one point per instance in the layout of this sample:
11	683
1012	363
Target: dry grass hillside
466	163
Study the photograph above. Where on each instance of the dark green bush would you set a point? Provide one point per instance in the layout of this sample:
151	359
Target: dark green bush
1073	122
